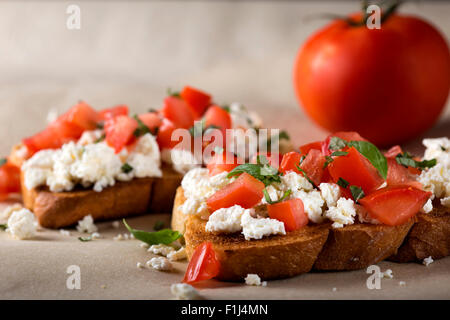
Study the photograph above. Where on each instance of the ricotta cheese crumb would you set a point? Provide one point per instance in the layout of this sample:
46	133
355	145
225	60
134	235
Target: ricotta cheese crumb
8	211
402	283
254	280
139	265
86	225
64	232
427	207
342	214
22	224
160	264
184	291
177	255
226	220
257	228
387	274
427	261
183	160
330	192
161	249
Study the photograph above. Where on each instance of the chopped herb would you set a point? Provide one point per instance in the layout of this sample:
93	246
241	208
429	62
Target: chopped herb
158	225
164	236
406	160
152	110
339	153
284	135
100	139
226	107
329	159
306	176
261	171
100	125
173	93
126	168
443	149
3	161
141	129
3	226
302	158
342	183
262	159
357	193
85	239
269	200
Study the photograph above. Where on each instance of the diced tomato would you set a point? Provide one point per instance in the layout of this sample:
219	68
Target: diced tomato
220	162
82	115
245	191
304	149
345	135
197	100
346	193
176	110
204	264
399	175
355	169
164	136
273	158
151	119
313	165
290	212
120	110
119	131
393	152
290	162
219	117
9	179
394	206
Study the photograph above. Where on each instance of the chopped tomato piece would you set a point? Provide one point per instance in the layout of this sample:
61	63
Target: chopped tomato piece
304	149
82	115
313	166
119	131
218	117
121	110
394	206
197	100
220	162
273	158
245	191
203	265
151	119
290	212
164	136
177	111
9	179
356	170
393	152
399	175
290	162
345	135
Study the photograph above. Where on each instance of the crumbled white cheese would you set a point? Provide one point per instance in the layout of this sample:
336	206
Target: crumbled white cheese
402	283
183	160
256	228
273	192
87	225
427	261
22	224
177	255
242	118
226	220
334	289
330	193
295	182
254	280
437	148
387	274
194	206
8	211
89	137
313	204
139	265
115	224
52	115
160	264
184	291
144	245
428	207
119	237
95	235
161	249
342	214
446	202
65	233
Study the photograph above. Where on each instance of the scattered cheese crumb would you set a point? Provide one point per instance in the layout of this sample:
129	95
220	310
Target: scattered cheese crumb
183	291
334	289
144	245
103	286
159	263
64	232
119	237
179	254
387	274
115	224
402	283
95	235
139	265
5	214
22	224
254	280
161	249
87	225
428	261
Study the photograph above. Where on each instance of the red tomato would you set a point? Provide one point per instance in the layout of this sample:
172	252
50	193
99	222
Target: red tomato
304	149
313	165
356	170
290	162
177	111
394	206
245	191
290	212
152	120
345	135
273	158
197	100
9	179
82	115
121	110
399	175
119	131
164	136
203	265
389	84
393	152
217	116
221	162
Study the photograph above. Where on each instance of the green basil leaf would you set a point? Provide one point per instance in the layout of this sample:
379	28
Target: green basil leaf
373	154
337	143
226	107
263	173
126	168
164	236
339	153
269	200
141	129
306	176
357	193
85	239
406	160
342	183
328	160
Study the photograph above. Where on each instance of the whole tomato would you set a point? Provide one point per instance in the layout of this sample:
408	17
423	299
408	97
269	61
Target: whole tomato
388	84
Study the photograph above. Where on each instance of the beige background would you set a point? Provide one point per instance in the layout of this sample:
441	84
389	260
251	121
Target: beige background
131	52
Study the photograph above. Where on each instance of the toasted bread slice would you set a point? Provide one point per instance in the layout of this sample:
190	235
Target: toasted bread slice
430	236
360	245
60	209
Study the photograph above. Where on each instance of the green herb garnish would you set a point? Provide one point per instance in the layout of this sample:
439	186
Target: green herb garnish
329	159
199	128
164	236
158	225
85	239
261	171
100	139
269	200
406	160
357	193
173	93
126	168
141	129
306	176
226	107
342	183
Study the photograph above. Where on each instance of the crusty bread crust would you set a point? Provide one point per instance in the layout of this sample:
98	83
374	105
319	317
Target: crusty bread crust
61	209
430	236
317	247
